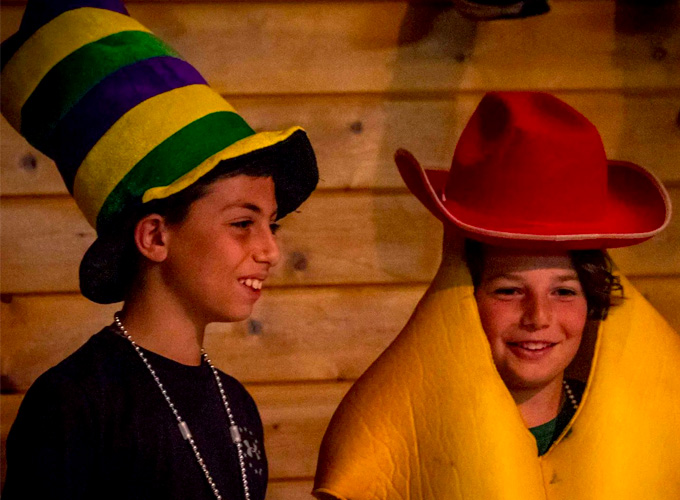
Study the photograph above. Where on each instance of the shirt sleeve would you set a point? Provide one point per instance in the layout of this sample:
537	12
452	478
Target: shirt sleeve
50	447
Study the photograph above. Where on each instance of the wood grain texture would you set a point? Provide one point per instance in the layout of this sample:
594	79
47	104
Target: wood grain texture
294	418
259	48
337	238
290	490
294	335
9	406
355	137
324	333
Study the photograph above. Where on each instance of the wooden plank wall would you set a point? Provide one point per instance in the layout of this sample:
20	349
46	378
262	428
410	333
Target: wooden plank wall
363	78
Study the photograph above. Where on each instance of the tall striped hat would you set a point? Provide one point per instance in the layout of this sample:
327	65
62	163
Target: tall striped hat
127	121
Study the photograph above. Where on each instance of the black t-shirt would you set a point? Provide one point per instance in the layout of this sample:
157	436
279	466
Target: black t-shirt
97	426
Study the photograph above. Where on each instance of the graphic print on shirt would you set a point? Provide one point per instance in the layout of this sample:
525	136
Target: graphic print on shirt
252	451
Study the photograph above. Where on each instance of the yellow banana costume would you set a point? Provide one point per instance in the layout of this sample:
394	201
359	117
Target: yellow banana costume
432	419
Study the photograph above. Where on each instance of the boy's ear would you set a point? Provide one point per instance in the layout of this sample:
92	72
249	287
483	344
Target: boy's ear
151	237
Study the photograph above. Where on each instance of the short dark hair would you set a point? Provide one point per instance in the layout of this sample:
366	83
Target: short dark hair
593	267
175	208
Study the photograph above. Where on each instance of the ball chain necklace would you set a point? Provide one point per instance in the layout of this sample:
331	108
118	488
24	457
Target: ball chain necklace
570	395
183	427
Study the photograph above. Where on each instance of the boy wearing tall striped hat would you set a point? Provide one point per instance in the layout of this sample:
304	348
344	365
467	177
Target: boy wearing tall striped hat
185	198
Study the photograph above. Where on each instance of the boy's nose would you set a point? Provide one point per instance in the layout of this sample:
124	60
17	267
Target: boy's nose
267	250
537	313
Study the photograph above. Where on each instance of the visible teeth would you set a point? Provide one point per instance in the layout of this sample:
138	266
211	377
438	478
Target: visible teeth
533	346
253	283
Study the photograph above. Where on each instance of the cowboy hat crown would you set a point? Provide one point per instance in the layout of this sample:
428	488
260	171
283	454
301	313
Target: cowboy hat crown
530	170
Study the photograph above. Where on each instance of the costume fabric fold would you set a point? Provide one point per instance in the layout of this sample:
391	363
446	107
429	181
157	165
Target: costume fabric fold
432	419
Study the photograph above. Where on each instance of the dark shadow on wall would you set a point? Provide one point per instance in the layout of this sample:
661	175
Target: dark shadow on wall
433	32
645	29
647	34
431	35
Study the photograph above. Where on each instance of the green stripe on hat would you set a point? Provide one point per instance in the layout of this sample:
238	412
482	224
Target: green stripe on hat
173	158
70	79
42	51
135	135
256	142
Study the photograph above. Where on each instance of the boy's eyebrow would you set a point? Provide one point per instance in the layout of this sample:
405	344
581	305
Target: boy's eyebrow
567	276
248	206
509	276
252	207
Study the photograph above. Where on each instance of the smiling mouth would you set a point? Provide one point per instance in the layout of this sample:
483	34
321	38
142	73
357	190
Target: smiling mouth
533	346
253	283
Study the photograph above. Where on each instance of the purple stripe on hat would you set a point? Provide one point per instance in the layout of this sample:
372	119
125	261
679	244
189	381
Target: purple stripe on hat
40	12
106	103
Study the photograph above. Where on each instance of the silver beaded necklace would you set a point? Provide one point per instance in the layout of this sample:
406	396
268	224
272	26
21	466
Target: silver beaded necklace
184	428
570	394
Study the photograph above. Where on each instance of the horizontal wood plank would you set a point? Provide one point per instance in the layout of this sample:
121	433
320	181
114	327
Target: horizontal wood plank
9	406
290	490
355	137
337	238
325	333
262	48
294	417
293	335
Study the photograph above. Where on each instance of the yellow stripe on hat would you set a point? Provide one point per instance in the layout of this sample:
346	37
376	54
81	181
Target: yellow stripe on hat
49	45
136	134
247	145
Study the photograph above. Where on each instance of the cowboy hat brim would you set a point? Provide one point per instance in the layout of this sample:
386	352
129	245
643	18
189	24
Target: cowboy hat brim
637	208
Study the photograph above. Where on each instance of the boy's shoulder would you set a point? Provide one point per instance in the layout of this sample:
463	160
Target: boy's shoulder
95	355
97	362
71	392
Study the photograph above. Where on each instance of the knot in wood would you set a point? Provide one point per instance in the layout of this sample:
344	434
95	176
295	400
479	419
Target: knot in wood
659	53
254	327
29	162
462	57
357	127
298	261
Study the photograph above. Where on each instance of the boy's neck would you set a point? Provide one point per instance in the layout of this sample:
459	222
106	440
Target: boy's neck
163	327
539	406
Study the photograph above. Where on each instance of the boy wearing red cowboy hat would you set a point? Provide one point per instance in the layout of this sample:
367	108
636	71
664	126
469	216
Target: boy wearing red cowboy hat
185	197
472	399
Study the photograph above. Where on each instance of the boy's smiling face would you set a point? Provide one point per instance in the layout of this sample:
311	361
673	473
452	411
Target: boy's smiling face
533	311
221	253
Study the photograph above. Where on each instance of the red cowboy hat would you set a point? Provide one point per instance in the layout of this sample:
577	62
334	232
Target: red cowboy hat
530	171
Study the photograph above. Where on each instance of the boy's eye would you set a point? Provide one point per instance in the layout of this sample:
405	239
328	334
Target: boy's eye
242	224
274	227
566	292
507	291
